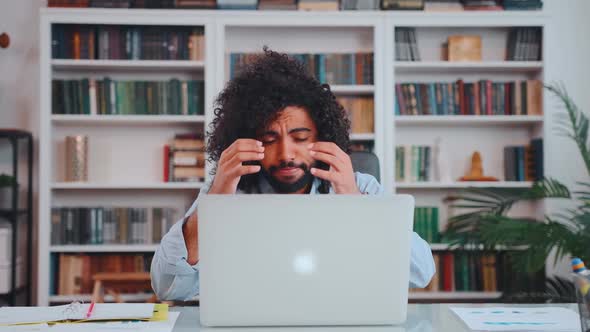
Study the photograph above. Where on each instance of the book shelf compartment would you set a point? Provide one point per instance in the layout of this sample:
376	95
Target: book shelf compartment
124	65
468	120
100	119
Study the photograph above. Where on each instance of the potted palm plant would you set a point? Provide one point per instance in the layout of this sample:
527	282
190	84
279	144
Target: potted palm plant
484	219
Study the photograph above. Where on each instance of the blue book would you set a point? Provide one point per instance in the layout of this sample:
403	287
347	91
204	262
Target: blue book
432	98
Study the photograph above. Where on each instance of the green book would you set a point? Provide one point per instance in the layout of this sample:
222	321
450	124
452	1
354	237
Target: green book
85	92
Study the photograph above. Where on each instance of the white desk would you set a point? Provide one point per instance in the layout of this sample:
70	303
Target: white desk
421	318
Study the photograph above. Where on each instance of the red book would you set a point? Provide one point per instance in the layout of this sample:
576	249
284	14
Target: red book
462	106
489	97
448	272
166	163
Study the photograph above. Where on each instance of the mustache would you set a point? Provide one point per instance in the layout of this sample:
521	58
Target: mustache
290	164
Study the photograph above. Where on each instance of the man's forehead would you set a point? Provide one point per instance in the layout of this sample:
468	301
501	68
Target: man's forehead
291	117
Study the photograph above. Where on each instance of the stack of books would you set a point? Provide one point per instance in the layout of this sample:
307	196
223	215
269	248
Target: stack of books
414	163
406	46
524	44
524	162
402	4
361	113
195	4
127	42
523	4
277	5
109	97
237	4
482	5
318	5
335	68
443	5
478	98
184	159
473	270
426	223
359	4
110	225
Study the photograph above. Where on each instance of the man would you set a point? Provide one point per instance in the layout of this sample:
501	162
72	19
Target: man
276	130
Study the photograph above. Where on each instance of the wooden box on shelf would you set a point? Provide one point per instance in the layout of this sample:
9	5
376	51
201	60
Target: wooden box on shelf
464	48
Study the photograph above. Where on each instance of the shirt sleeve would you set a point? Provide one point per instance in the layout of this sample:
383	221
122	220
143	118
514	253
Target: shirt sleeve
173	278
421	262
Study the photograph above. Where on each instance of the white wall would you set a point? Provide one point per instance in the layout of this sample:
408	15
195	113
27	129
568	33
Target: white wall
571	54
19	74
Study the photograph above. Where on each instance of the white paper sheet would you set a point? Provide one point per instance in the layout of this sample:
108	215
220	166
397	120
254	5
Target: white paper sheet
74	311
519	319
163	326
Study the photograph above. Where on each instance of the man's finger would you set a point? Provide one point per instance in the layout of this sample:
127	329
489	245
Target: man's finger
329	147
322	174
245	144
240	157
329	159
250	169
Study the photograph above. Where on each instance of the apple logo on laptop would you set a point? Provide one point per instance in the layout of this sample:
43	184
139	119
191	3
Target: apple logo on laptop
304	263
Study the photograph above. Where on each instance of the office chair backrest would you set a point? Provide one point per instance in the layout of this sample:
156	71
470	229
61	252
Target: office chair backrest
365	162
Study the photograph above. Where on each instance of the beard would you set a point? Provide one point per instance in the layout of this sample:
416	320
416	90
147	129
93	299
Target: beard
288	187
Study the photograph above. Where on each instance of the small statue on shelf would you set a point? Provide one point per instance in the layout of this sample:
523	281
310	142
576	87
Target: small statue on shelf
476	171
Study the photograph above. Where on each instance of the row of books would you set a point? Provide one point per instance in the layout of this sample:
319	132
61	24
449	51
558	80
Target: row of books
524	162
426	223
523	4
413	163
110	225
345	68
481	271
71	274
361	113
478	98
524	44
406	46
428	5
465	271
184	158
110	97
460	5
121	42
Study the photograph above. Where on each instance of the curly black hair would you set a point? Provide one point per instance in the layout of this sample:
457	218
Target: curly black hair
257	95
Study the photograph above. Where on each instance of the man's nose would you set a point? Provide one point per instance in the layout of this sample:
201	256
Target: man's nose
286	150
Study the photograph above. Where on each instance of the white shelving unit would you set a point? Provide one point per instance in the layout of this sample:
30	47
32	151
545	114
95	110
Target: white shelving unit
460	136
125	151
129	172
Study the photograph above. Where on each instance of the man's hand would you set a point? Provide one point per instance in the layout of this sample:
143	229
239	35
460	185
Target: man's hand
340	174
230	168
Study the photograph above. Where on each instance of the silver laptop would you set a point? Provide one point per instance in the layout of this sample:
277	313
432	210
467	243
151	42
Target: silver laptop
283	260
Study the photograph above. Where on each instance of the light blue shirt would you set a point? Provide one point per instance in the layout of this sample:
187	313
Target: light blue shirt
173	278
